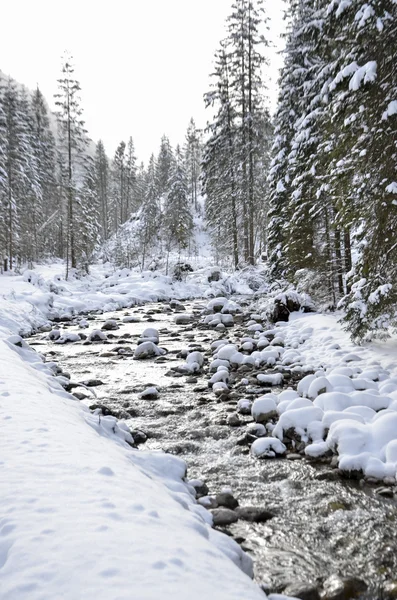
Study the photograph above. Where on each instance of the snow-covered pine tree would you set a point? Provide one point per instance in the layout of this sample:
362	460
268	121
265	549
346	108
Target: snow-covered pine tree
150	214
118	188
44	150
102	186
20	171
246	42
177	213
193	157
88	207
241	128
130	168
3	189
220	165
72	146
365	93
164	166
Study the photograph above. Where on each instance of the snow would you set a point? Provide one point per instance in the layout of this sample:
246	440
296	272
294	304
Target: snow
348	402
83	513
99	512
390	110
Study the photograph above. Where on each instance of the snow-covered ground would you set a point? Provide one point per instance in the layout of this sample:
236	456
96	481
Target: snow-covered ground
83	515
28	300
347	401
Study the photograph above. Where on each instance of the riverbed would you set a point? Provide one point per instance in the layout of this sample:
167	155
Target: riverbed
322	526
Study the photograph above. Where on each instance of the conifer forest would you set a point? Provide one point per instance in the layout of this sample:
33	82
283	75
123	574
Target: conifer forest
309	192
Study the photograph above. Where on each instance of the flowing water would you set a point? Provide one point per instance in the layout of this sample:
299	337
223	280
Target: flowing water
323	525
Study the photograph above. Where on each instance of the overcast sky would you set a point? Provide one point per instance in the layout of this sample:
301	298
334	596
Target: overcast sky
143	65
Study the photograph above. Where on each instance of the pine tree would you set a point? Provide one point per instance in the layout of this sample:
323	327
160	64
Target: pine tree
177	215
130	167
102	186
44	151
72	144
220	165
88	206
118	188
193	152
20	170
164	166
150	221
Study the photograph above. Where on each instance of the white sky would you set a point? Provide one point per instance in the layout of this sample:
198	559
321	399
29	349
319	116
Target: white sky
143	65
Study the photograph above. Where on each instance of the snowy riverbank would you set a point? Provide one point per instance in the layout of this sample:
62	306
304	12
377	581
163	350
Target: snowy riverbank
111	520
83	514
27	301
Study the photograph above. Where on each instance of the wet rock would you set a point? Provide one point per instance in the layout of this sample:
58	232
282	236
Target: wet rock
131	319
138	436
147	349
97	336
106	354
223	516
253	514
200	486
110	411
183	319
191	380
234	421
92	382
293	456
110	325
150	393
385	492
343	588
80	396
227	500
327	476
303	591
176	305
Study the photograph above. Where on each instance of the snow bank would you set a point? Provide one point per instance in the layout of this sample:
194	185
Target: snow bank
85	515
346	405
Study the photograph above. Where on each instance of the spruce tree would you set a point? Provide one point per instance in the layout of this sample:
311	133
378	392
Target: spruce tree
177	215
72	145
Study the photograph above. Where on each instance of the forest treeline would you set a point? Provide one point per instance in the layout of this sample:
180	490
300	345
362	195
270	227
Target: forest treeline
311	190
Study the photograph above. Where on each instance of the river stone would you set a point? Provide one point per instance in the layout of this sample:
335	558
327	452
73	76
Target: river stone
150	393
234	421
139	436
110	411
253	514
183	318
385	492
223	516
227	500
110	325
293	456
327	476
92	382
343	588
303	591
200	486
